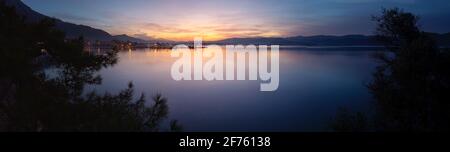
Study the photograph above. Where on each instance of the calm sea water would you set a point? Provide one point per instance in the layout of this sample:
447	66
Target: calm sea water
314	84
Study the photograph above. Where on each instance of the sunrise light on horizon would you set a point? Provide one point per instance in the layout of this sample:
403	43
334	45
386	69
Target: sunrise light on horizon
214	20
225	75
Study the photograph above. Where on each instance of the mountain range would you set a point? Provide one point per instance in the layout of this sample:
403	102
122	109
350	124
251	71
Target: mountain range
92	34
71	30
322	40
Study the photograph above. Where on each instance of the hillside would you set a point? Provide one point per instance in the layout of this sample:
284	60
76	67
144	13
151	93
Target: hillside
71	30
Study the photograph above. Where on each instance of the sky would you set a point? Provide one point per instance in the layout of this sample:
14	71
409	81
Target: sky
220	19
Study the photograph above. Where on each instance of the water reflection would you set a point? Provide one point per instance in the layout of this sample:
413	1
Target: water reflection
313	84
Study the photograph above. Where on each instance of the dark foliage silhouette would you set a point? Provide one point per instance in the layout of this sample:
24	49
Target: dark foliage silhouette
411	85
42	78
347	121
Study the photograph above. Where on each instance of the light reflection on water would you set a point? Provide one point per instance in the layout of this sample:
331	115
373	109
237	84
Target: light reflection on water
313	85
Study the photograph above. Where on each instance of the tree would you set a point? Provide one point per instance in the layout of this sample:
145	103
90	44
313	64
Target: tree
42	78
411	85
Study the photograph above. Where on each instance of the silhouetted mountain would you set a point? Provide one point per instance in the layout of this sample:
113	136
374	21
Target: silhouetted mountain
71	30
306	40
256	41
125	37
334	40
89	33
323	40
151	39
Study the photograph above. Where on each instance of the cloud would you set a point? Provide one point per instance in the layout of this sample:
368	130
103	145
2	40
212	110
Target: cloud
164	28
143	36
